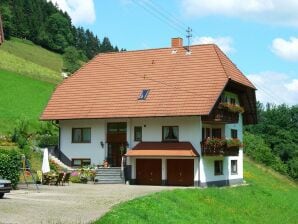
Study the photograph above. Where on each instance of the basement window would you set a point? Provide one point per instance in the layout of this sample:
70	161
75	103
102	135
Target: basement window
80	162
144	94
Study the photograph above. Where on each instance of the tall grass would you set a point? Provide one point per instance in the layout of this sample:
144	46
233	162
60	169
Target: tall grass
25	58
269	198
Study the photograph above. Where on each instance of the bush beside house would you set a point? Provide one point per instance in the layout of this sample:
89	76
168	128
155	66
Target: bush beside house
10	164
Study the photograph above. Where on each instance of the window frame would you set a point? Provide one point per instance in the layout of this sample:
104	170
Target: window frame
144	94
82	136
232	100
81	160
234	132
232	172
135	131
220	167
170	140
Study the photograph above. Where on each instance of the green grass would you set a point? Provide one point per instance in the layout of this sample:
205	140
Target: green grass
269	198
21	97
23	57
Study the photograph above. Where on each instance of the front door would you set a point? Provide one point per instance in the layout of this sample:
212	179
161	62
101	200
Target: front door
115	153
116	139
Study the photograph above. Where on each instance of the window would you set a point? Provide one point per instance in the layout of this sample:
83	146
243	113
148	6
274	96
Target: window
138	134
117	127
80	162
234	167
218	167
205	133
233	101
234	133
170	133
216	132
81	135
144	94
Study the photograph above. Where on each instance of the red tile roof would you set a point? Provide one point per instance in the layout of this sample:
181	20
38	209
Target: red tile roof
180	85
153	149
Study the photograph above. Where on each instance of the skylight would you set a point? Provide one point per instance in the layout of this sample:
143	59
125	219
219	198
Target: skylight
144	94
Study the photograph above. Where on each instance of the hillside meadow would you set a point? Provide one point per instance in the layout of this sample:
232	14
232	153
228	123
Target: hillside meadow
21	97
25	58
268	198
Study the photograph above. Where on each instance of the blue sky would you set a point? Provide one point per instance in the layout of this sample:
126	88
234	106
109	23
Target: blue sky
260	36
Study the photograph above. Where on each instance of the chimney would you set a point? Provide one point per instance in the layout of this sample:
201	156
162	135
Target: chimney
177	42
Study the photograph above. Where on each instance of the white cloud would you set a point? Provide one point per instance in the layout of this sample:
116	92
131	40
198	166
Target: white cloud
286	49
293	86
269	11
275	87
79	11
224	43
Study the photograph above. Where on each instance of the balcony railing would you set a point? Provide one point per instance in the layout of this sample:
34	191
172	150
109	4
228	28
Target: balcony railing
219	147
224	113
221	115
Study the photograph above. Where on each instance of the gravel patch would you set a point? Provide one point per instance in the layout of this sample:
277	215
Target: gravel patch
76	203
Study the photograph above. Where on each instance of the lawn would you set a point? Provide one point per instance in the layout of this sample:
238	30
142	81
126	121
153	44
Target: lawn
23	57
21	97
269	198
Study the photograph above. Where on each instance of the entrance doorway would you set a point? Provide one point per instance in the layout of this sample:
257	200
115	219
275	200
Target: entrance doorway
116	139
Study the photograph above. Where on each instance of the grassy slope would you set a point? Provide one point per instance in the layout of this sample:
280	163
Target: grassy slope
23	57
21	97
269	198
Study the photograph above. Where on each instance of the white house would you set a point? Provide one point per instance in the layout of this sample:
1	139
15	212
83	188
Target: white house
175	113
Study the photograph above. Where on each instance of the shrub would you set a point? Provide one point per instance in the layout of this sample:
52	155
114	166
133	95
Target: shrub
47	135
75	177
54	166
10	164
47	140
257	149
21	134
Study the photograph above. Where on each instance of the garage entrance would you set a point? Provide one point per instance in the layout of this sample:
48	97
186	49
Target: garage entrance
148	171
180	172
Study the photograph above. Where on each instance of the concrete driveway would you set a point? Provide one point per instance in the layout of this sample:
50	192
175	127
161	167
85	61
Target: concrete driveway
76	203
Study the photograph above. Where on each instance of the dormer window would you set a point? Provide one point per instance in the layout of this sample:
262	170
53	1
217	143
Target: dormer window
144	94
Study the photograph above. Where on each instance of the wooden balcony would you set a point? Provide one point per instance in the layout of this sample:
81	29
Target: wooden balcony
219	149
221	115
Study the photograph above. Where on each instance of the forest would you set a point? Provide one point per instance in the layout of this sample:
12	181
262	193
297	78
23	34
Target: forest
274	140
46	25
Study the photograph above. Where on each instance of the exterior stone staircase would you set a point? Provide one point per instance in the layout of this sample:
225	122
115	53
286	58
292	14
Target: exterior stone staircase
112	175
61	164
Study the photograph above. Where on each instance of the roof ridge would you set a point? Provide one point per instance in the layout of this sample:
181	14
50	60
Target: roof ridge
217	49
223	66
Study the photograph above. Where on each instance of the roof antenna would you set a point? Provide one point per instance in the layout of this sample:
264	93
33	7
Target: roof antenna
188	36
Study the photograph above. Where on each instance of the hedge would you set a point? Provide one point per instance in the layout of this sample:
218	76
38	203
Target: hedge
10	164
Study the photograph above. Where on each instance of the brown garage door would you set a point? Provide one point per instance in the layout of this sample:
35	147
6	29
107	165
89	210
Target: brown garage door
148	171
180	172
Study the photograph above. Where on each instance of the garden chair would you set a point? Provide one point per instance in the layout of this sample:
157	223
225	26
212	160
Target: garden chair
66	179
59	179
46	179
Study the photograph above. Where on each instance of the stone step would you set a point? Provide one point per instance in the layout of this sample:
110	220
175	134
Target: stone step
109	182
108	178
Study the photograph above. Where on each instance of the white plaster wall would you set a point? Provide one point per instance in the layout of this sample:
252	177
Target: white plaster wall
92	150
207	162
190	129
